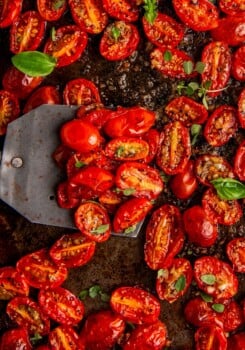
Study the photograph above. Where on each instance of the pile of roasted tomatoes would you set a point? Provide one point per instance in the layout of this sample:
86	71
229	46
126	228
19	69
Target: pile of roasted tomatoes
119	161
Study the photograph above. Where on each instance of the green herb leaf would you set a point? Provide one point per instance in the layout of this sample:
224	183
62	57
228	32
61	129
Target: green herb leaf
206	297
34	63
35	338
199	67
120	151
162	273
115	33
53	33
194	86
130	229
79	164
196	130
128	191
167	56
94	291
204	101
83	294
58	4
229	189
189	90
100	229
208	279
180	283
150	8
104	296
218	307
188	67
207	84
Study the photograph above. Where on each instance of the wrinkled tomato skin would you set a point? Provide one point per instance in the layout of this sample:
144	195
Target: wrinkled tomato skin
80	91
241	108
239	161
235	252
135	305
127	149
232	317
9	109
61	155
48	10
231	7
9	11
238	64
97	116
63	336
184	184
210	337
236	341
65	197
230	30
102	330
125	10
12	283
15	339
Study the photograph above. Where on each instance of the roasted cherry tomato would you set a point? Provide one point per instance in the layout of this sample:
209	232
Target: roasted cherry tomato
27	32
239	161
241	108
66	45
238	64
92	220
224	212
170	62
28	314
164	237
186	110
132	121
111	200
61	305
217	59
89	15
200	230
80	92
230	30
232	316
125	10
175	148
9	109
40	271
80	136
135	305
15	339
9	11
61	155
231	7
172	283
215	277
164	31
199	15
65	196
51	10
210	337
127	148
130	213
64	338
152	336
72	250
12	284
153	138
42	95
236	341
119	41
102	330
235	252
98	115
184	184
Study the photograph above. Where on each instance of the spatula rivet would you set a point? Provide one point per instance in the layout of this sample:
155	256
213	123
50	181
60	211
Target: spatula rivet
16	162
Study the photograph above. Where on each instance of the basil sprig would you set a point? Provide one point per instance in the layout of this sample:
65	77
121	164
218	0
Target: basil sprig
229	189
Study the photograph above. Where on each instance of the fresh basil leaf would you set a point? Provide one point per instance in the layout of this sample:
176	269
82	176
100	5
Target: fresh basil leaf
229	189
194	86
199	67
167	56
100	229
188	67
218	307
206	297
94	291
209	279
180	283
34	63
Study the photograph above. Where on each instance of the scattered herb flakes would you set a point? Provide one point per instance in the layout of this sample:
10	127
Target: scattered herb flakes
209	279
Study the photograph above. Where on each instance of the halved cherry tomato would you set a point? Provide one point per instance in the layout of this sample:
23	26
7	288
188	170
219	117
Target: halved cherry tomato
119	41
235	252
232	317
127	148
217	59
27	32
153	138
236	341
80	92
28	314
92	220
241	108
12	283
199	15
51	10
164	31
9	109
224	212
230	30
65	197
238	64
66	45
210	337
40	271
164	237
111	200
72	250
125	10
175	148
102	330
135	305
153	336
64	338
173	282
89	15
184	184
186	110
231	7
9	11
239	161
15	339
142	179
215	277
61	305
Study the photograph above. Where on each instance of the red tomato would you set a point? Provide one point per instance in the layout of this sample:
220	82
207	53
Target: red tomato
215	277
89	15
127	148
80	136
153	336
61	155
184	184
51	10
172	283
235	252
80	92
42	95
232	317
72	250
186	110
153	138
238	64
28	314
119	41
164	237
210	337
239	161
15	339
236	341
102	330
135	305
164	31
98	115
66	45
111	200
175	148
125	10
12	284
9	109
132	121
230	30
9	11
27	32
65	197
217	59
224	212
143	180
241	108
231	7
199	16
64	338
92	220
130	213
40	271
172	66
61	305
